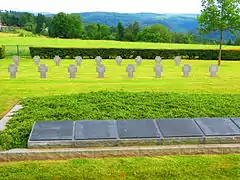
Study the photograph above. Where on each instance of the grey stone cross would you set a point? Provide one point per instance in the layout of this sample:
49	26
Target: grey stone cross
100	70
16	60
158	59
130	69
177	60
43	69
78	60
72	69
98	60
213	69
158	69
138	60
57	60
12	69
119	60
36	60
186	69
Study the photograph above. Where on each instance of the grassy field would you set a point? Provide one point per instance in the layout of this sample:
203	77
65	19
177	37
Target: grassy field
170	167
11	40
28	82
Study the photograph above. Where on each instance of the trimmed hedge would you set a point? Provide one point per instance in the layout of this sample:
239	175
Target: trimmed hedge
2	52
110	53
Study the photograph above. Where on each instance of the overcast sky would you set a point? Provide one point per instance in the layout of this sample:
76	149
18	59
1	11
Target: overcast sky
127	6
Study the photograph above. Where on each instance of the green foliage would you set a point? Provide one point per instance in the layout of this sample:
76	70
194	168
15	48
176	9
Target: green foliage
237	42
24	33
40	21
2	52
105	105
155	33
66	26
120	31
109	53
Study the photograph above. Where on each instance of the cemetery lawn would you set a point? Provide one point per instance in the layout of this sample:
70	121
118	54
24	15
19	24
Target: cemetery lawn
168	167
29	84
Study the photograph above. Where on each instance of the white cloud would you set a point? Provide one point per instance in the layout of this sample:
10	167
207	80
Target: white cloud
55	6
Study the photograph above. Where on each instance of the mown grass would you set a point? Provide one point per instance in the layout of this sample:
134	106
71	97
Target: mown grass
170	167
115	105
25	42
29	84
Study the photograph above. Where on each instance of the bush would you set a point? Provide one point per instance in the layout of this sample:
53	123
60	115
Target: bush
2	52
110	53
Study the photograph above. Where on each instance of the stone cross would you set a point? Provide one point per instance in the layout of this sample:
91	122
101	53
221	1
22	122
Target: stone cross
130	69
177	60
78	60
119	60
158	69
100	70
98	60
36	60
213	69
12	69
16	60
186	69
72	69
138	60
158	59
43	69
57	60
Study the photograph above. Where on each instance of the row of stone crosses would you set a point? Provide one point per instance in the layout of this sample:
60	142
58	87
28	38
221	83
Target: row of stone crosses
100	68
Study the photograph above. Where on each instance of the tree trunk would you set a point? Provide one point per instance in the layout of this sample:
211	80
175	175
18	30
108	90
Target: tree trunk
220	48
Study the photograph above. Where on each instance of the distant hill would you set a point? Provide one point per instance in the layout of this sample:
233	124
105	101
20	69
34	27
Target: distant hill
175	22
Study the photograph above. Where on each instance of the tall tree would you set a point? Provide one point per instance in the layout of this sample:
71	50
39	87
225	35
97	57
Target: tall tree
120	31
40	20
220	16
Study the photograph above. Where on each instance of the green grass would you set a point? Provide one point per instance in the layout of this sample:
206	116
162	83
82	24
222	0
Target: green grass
28	83
170	167
115	105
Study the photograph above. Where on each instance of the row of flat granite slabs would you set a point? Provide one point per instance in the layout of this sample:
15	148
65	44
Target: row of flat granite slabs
100	133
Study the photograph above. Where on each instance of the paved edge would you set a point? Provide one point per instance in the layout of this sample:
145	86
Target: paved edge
71	153
8	116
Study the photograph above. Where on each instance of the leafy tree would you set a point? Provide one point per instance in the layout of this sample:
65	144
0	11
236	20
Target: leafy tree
220	16
120	31
66	26
40	20
155	33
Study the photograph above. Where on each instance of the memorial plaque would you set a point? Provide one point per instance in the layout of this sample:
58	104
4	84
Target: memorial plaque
43	69
130	69
131	129
16	60
98	60
218	126
57	60
72	69
78	60
100	70
52	130
12	69
177	60
213	69
138	60
158	69
236	121
179	127
119	60
158	59
186	69
36	60
95	129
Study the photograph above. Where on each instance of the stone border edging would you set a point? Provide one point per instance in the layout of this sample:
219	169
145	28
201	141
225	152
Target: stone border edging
71	153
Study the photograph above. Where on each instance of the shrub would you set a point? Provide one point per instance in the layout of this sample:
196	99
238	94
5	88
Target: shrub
110	53
2	52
